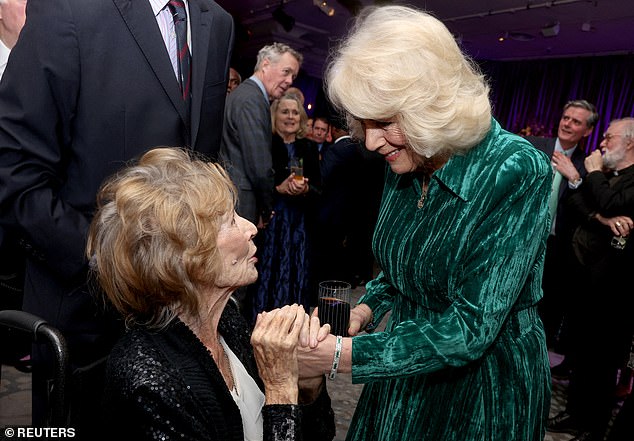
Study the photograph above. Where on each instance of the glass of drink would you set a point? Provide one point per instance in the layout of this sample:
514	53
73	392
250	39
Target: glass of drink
334	306
297	168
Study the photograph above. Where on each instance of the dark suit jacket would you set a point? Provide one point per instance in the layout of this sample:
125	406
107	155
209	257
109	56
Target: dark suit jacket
609	194
246	149
340	167
89	87
563	227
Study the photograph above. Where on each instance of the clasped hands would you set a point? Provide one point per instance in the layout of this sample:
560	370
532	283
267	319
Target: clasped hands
292	186
293	350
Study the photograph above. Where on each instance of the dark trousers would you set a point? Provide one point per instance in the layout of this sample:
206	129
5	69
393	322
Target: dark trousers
560	286
602	335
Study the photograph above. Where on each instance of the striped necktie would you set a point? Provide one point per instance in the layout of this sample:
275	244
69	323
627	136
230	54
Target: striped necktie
177	7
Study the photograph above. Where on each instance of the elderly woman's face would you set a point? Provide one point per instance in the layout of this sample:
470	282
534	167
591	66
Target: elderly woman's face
387	138
237	251
287	117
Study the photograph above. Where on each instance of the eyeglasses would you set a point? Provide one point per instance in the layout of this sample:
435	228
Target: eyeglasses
609	136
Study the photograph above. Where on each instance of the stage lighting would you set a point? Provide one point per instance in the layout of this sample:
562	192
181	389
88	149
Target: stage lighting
323	7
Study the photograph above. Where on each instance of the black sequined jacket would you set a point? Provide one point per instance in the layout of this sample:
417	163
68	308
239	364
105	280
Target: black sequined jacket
164	385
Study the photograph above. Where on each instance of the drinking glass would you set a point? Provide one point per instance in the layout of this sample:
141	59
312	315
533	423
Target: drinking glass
334	306
297	168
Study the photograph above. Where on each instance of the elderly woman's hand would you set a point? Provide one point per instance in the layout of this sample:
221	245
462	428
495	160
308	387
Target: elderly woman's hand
275	339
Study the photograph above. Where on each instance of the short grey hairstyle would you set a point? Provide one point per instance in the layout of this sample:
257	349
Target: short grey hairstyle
399	62
628	127
593	118
273	52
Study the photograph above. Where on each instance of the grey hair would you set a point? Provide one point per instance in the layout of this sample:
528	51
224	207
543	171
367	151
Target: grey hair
399	62
628	127
273	52
593	118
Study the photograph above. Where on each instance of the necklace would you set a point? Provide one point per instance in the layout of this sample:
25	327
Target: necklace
423	195
224	366
231	378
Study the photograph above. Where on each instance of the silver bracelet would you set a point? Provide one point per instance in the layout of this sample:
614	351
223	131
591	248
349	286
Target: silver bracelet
335	359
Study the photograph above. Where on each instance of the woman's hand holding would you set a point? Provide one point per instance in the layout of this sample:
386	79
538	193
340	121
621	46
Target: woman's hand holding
292	186
312	333
275	340
360	317
317	361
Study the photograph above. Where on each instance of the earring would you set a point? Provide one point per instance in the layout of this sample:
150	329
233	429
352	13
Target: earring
234	261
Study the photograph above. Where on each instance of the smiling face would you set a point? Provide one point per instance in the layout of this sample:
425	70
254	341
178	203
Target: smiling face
387	139
237	251
573	126
287	118
277	77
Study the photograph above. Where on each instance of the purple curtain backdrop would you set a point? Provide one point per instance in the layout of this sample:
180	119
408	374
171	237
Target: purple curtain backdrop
533	92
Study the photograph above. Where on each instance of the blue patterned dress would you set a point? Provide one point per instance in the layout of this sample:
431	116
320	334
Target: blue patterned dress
285	249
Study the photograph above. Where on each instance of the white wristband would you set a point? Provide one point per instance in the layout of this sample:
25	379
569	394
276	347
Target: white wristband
335	359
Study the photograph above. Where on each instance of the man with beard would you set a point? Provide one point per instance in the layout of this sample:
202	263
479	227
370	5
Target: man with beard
605	207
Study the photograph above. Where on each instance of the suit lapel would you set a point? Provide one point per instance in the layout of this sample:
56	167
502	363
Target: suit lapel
201	22
140	21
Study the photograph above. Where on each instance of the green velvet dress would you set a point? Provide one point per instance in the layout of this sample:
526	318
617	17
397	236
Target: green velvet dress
463	356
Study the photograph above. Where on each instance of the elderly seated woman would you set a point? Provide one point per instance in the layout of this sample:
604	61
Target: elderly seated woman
169	250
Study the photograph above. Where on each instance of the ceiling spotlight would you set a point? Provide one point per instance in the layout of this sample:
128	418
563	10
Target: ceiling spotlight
551	30
283	18
323	7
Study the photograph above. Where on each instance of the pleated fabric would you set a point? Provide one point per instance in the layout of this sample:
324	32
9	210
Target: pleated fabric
284	266
463	356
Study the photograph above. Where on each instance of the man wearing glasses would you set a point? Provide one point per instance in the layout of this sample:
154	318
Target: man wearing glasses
604	303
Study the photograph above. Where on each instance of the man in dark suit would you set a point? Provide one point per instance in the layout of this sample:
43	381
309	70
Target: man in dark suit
577	121
321	130
248	131
89	86
605	252
352	184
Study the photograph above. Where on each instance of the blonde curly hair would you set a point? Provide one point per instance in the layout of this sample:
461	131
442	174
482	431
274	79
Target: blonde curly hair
399	62
152	242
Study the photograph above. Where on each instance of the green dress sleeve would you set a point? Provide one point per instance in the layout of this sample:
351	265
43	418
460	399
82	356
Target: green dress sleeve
378	297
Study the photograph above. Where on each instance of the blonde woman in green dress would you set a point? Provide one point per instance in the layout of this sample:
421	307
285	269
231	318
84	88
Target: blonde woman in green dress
460	240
